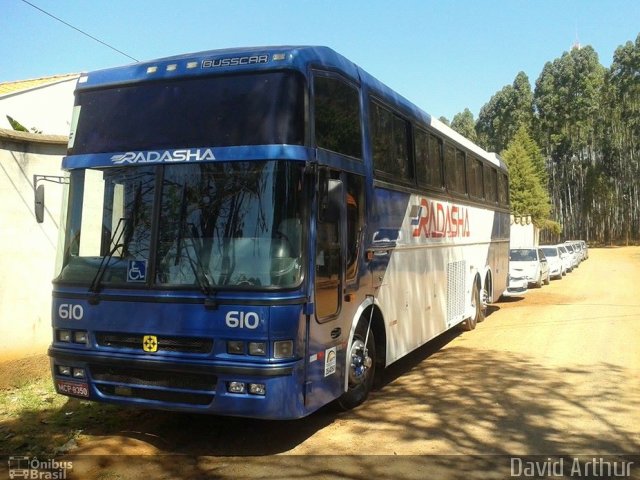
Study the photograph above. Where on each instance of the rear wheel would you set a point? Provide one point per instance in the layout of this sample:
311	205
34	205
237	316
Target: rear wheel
478	316
361	367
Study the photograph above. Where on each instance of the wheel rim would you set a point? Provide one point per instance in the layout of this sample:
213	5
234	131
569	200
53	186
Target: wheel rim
360	363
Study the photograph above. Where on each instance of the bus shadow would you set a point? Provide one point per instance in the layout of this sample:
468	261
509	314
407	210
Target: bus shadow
464	400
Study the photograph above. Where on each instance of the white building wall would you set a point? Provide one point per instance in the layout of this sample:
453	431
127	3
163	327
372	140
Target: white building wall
27	249
524	233
48	108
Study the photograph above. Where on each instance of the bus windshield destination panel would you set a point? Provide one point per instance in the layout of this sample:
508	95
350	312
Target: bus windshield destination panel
262	237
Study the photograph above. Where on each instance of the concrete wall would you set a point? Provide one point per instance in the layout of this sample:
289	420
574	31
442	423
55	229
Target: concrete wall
27	249
48	109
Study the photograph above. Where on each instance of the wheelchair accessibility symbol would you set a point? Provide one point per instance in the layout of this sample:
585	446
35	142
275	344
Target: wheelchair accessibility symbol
137	271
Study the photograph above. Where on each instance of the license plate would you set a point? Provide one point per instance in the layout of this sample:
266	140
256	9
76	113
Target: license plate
73	388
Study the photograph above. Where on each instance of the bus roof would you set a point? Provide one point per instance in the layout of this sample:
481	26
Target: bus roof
271	58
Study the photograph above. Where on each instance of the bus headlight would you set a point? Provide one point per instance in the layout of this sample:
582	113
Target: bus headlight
235	347
257	389
283	349
80	337
64	336
257	348
64	370
236	387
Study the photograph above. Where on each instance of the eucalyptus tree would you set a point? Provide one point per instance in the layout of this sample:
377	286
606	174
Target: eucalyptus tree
568	102
507	111
621	145
464	124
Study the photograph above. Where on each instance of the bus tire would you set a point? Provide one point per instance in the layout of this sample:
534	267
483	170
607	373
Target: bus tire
361	369
478	316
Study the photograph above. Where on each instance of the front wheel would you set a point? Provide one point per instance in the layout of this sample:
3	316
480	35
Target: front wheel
539	282
361	367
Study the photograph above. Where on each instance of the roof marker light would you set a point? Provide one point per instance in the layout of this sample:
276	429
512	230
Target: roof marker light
192	65
83	79
152	69
172	67
278	56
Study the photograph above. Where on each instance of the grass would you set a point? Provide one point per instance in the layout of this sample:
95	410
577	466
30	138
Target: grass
35	420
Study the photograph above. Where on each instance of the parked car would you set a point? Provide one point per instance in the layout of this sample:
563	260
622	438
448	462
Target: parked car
566	257
517	285
575	258
530	263
585	249
578	248
556	267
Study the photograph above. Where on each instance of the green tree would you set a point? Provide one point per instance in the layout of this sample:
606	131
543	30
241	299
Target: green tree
568	103
523	137
619	168
445	120
507	111
526	190
464	124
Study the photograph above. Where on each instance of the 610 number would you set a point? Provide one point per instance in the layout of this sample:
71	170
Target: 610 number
69	311
235	319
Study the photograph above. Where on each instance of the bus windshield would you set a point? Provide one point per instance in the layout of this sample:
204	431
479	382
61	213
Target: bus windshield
253	109
221	225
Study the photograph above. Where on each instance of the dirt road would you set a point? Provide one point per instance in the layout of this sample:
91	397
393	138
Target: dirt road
556	372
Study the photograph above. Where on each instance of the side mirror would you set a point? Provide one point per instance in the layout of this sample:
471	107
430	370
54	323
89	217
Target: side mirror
39	203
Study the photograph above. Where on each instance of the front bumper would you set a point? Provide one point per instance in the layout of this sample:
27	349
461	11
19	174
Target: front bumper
516	288
190	386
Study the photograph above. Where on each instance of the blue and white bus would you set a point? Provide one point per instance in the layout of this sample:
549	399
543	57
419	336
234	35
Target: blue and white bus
259	232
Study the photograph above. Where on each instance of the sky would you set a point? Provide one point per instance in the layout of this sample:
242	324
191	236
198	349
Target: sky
444	56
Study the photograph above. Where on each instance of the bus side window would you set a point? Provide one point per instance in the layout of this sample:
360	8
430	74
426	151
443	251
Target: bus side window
474	177
503	189
390	135
490	187
337	116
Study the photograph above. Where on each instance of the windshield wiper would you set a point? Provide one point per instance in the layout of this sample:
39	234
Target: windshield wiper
104	263
199	271
205	282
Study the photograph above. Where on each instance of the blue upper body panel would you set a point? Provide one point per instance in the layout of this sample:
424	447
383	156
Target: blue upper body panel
228	61
222	61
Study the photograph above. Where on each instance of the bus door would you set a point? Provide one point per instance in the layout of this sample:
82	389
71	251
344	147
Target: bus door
324	370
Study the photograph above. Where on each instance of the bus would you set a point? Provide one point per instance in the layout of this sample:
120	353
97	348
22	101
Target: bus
259	232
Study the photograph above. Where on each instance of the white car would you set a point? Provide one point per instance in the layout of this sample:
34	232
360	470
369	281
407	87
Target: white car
554	258
531	264
567	259
517	285
585	248
575	256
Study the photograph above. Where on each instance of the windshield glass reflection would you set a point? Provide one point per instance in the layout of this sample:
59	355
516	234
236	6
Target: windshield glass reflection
231	224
